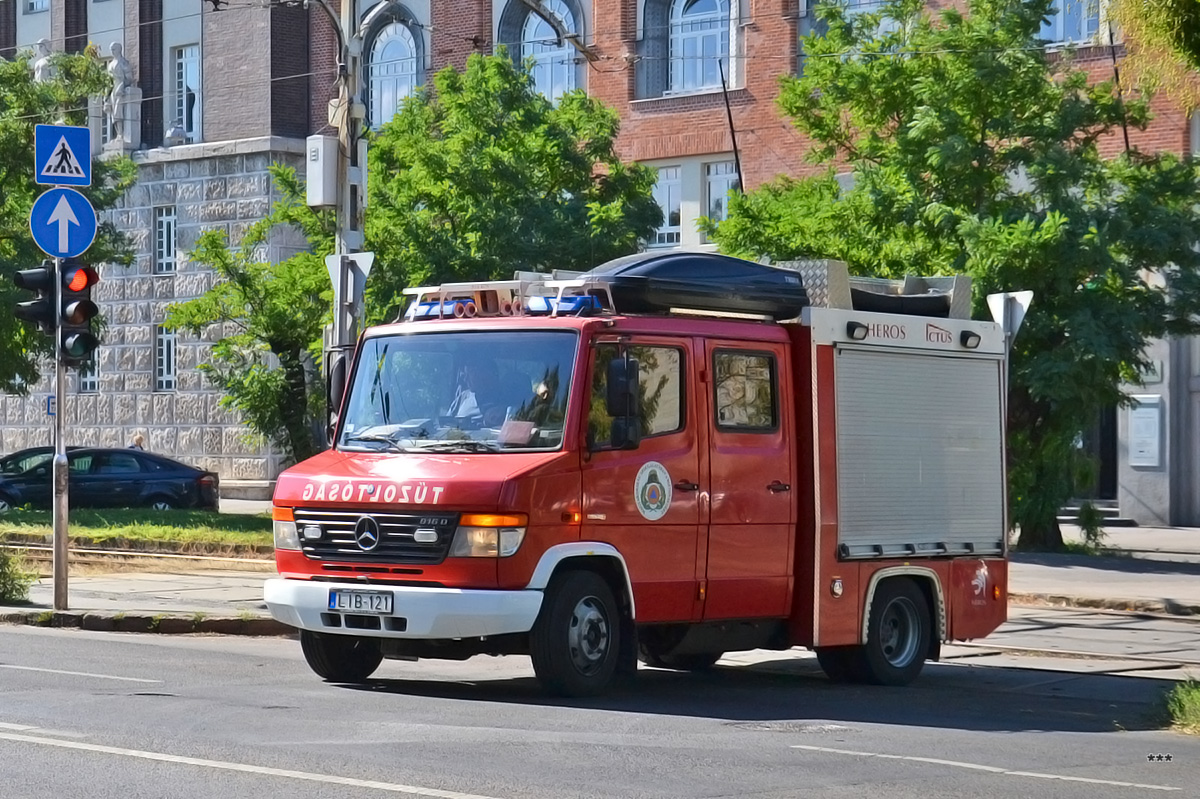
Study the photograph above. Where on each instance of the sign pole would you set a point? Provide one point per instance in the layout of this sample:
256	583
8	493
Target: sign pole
60	453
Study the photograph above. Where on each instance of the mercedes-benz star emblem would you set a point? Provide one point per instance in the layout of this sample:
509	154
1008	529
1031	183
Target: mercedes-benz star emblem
366	533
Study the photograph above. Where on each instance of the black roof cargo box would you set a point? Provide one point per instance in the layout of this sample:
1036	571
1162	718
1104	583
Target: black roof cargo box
654	282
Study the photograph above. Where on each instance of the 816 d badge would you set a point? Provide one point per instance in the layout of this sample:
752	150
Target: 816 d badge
652	490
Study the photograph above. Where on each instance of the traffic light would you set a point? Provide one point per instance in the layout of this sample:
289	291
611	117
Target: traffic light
75	338
39	310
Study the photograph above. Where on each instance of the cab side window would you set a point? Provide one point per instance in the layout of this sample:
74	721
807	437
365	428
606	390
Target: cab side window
660	391
746	393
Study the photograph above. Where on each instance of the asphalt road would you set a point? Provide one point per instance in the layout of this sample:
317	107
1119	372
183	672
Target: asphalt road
124	716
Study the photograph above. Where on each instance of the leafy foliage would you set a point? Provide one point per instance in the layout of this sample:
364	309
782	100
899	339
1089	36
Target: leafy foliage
266	367
483	176
14	578
972	153
23	105
1162	38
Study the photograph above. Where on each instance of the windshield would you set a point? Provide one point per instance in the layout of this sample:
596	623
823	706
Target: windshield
483	391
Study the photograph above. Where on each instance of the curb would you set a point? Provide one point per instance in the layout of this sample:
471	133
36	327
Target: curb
157	623
1165	607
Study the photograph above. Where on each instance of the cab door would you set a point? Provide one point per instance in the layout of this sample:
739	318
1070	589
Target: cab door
752	477
646	501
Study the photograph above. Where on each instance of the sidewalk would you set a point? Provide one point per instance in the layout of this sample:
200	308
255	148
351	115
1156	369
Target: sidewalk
1162	576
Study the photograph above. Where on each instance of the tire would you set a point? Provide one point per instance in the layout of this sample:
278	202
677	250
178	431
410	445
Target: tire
842	663
161	503
340	658
5	504
898	633
701	661
576	639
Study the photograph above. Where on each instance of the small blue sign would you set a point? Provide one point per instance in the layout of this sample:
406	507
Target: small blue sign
62	155
63	223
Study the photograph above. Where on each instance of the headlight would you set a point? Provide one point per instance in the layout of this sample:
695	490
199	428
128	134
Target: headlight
482	535
286	535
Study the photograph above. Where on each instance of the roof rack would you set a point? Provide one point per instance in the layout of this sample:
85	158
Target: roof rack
830	285
530	293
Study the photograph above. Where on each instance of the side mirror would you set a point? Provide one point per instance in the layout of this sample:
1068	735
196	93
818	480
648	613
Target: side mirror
622	403
621	398
336	387
626	432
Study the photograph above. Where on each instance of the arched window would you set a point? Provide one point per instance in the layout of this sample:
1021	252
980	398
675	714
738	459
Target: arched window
391	71
554	65
699	44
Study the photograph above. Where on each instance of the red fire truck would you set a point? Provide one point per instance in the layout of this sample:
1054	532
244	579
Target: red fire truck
673	456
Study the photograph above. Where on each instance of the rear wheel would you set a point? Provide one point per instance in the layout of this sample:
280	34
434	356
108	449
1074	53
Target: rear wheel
340	658
841	663
577	637
898	633
161	503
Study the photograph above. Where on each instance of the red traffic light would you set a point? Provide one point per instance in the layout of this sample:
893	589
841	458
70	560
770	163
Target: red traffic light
80	278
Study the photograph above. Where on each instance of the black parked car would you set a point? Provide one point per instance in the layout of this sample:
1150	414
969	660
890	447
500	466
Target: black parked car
111	478
25	459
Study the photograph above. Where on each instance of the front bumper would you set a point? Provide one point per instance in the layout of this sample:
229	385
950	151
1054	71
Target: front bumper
425	613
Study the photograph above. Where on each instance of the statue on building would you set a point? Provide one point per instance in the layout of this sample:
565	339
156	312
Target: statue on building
122	106
43	70
121	72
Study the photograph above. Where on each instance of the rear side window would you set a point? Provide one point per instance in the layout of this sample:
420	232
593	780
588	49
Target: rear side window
119	463
746	391
660	388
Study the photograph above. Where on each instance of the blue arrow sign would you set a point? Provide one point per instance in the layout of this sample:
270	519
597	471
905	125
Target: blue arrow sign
63	223
62	155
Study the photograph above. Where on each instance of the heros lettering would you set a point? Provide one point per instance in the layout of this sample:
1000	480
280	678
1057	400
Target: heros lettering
886	331
404	493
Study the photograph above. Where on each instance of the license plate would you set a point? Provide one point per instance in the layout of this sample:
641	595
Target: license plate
360	601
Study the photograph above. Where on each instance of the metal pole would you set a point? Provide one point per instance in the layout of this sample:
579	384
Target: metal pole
60	452
349	238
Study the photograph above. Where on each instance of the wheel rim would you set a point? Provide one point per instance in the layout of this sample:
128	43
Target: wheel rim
899	632
5	506
587	636
160	504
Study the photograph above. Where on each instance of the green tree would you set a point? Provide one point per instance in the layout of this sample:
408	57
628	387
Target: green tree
267	367
1162	40
971	152
483	176
24	104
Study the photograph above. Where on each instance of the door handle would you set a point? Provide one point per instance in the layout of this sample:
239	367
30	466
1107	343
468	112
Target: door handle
685	485
778	486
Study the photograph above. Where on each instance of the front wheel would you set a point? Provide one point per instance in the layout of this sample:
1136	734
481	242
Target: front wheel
5	504
898	633
340	658
575	642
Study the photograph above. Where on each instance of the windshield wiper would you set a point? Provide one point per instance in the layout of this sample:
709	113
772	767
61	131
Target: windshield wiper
465	445
375	438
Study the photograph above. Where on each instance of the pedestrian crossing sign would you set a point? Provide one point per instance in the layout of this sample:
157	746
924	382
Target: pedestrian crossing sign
62	155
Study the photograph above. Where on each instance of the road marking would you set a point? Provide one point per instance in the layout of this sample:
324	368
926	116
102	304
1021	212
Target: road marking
77	673
980	767
390	787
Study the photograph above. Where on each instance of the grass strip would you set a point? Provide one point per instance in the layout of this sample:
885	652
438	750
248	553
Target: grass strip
124	524
1183	703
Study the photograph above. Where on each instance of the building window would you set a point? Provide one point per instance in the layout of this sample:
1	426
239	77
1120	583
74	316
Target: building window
89	376
164	359
667	193
1072	21
164	240
553	65
699	44
185	96
391	71
720	179
34	6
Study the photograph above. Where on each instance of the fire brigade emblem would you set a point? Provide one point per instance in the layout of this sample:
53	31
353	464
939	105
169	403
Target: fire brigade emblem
652	490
